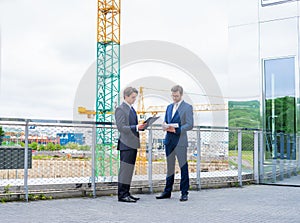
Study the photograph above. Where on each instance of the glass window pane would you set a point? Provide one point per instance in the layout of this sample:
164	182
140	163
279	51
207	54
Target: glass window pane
280	112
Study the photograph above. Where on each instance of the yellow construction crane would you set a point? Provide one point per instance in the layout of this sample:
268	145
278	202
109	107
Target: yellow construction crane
141	162
141	107
155	109
89	113
84	111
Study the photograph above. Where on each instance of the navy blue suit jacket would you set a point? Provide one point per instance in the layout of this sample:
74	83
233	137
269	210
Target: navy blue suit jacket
126	121
184	117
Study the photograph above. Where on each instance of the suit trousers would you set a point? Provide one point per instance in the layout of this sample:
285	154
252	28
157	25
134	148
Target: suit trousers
181	153
127	163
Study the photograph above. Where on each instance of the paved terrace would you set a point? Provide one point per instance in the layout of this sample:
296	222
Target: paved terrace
254	203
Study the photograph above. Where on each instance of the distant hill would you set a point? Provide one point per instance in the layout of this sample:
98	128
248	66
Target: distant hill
244	114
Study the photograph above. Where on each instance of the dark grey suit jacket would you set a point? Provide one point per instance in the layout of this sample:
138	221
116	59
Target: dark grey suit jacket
126	121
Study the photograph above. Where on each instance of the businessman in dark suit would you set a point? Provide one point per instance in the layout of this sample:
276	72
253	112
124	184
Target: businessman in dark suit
127	124
176	142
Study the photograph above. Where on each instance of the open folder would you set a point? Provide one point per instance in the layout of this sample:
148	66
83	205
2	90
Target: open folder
151	120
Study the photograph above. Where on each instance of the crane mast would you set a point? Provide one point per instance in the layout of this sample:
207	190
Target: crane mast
107	83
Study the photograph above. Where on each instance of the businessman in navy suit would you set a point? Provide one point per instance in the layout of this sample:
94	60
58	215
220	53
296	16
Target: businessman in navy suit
127	124
176	142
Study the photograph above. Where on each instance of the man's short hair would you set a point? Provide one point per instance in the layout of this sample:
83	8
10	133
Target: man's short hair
177	88
129	90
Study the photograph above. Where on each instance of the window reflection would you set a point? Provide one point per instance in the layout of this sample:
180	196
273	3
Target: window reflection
280	112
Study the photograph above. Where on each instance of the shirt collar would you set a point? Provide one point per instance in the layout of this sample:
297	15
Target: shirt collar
127	104
178	103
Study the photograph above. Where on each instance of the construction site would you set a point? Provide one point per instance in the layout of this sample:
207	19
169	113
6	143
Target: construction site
245	121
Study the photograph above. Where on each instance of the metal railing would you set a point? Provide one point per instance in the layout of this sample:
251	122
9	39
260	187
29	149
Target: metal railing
280	159
64	157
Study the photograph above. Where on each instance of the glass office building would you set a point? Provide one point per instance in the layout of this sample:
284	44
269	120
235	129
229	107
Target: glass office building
264	66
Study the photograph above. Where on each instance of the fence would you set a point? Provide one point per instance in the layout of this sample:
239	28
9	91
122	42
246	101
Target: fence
63	157
281	159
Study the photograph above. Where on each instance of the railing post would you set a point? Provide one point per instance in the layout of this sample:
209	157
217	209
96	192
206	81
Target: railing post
150	161
261	158
281	165
93	180
198	159
288	146
288	157
294	152
274	158
26	161
255	160
240	158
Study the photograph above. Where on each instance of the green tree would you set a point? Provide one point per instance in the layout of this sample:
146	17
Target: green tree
72	145
50	146
41	147
285	114
58	147
33	145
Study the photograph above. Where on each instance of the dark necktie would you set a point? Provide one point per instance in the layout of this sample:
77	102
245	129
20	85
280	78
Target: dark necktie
134	113
132	109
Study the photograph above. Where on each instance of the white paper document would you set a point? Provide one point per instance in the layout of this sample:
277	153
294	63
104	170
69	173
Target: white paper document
165	125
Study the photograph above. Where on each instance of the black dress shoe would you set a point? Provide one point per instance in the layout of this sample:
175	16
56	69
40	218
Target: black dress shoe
134	198
184	197
127	199
164	195
78	185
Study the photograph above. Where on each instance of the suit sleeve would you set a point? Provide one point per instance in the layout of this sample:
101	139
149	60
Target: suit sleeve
166	120
122	122
188	124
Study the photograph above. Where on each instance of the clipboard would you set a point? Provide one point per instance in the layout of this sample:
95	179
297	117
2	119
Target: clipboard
151	120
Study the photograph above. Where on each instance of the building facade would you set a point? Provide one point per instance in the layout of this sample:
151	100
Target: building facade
264	66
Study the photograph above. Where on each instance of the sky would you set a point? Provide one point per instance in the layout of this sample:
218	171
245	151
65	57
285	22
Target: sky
49	46
45	48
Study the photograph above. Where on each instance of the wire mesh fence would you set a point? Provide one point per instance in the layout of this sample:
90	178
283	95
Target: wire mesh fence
60	153
63	155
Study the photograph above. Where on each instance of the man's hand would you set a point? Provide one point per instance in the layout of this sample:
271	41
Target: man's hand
141	127
167	128
171	129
